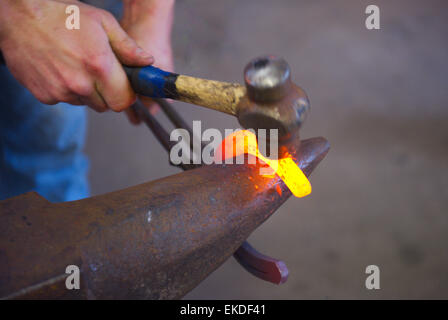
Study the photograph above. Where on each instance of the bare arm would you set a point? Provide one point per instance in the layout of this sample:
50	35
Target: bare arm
149	22
76	66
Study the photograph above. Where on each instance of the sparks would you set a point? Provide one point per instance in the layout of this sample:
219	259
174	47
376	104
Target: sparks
285	168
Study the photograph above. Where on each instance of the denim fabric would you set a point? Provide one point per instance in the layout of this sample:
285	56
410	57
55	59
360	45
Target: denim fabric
40	146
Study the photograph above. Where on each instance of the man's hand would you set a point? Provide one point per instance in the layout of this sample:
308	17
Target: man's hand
81	67
149	22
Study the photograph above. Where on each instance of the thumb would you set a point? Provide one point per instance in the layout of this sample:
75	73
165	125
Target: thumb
124	47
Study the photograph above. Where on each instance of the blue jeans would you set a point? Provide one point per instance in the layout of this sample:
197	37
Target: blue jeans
41	146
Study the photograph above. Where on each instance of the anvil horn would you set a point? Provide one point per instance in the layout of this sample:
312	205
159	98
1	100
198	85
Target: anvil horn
157	240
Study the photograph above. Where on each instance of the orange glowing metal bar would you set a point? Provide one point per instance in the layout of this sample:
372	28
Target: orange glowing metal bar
245	141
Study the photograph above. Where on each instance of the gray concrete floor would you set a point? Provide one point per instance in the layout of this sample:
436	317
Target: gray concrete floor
380	98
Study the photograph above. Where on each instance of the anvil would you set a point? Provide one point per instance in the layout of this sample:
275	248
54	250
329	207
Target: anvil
157	240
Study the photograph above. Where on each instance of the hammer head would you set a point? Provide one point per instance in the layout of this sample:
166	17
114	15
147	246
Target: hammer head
272	101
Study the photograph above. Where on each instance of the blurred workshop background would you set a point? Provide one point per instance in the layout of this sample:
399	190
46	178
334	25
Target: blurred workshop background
379	96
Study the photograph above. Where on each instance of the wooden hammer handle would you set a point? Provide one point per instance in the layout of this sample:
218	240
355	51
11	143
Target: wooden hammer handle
156	83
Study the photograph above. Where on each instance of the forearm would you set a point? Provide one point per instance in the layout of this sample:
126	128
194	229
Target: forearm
160	4
141	16
60	65
145	10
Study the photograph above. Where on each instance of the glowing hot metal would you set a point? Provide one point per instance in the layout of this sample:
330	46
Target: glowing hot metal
245	142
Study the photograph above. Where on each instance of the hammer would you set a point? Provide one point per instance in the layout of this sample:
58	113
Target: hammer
269	99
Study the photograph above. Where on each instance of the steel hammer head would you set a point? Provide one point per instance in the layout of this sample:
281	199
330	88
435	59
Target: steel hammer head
272	101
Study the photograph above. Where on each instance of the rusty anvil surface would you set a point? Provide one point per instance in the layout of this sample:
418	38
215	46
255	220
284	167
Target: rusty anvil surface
157	240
